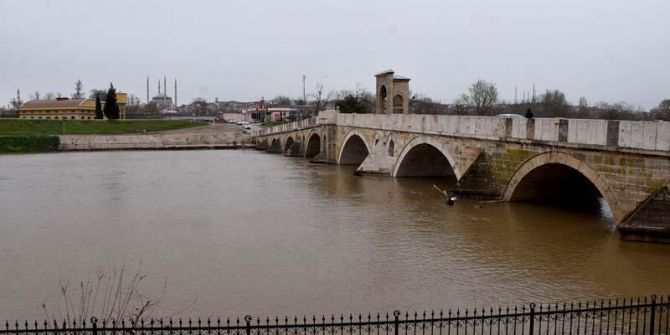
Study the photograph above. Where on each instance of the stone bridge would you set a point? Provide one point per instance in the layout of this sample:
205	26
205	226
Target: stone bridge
514	159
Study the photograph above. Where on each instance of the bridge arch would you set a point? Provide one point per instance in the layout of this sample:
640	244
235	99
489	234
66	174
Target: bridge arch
288	143
313	146
275	145
354	149
558	176
425	156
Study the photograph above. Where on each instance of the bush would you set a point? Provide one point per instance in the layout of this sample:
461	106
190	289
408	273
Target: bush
29	143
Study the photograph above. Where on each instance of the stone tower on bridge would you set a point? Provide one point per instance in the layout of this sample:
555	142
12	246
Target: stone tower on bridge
392	93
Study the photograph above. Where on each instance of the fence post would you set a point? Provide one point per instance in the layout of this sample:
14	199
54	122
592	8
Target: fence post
248	320
531	325
396	322
94	323
652	319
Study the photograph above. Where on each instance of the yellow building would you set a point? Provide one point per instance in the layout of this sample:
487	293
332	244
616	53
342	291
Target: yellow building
67	109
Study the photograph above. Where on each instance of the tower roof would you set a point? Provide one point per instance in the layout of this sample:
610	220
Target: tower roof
385	72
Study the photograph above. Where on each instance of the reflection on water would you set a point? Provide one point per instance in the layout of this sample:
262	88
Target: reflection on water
249	232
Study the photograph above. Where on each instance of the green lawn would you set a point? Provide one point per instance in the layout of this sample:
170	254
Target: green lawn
15	127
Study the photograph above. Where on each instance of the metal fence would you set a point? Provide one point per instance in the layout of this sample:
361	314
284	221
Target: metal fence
648	315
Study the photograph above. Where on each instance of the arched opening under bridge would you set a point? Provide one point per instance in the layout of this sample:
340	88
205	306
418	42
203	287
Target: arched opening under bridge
560	180
555	184
313	146
275	145
424	160
288	144
354	151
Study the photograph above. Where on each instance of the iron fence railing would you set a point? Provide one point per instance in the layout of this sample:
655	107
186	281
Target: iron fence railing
648	315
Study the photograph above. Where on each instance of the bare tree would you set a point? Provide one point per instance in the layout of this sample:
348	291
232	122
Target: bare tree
50	96
662	111
421	104
482	97
554	104
97	93
78	87
462	105
583	107
35	96
16	102
321	98
111	296
281	100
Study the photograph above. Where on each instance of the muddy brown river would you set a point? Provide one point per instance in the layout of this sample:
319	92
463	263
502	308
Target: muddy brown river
223	233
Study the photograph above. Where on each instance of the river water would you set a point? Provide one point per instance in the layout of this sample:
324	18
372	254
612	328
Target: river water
222	233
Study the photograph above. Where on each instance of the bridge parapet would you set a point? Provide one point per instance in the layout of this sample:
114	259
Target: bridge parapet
641	135
637	135
286	127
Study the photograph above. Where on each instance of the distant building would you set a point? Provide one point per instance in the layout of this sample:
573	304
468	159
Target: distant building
67	109
235	117
281	113
162	102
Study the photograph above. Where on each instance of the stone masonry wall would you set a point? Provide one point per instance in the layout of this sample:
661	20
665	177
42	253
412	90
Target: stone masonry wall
153	141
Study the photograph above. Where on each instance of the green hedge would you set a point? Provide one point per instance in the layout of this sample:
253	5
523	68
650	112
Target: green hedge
29	143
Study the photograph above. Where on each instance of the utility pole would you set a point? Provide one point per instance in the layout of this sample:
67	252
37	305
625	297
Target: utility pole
304	95
147	89
18	102
533	92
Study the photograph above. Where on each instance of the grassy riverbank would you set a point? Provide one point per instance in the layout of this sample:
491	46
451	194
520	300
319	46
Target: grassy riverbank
15	127
41	135
40	143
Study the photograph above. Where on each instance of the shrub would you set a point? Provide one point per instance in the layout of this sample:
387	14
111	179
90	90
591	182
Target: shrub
29	143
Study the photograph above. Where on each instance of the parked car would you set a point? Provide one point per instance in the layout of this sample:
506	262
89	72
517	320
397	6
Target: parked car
510	115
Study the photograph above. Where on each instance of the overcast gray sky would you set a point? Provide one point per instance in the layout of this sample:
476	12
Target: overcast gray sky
605	50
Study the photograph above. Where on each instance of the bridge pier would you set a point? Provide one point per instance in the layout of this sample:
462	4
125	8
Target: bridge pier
294	150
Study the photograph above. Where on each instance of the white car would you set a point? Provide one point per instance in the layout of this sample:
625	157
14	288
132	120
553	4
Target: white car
510	115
